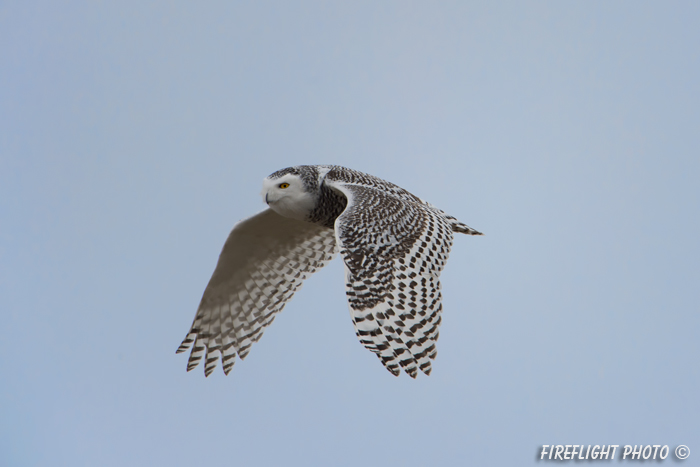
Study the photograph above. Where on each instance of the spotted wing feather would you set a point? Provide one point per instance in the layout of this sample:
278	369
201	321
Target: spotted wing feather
394	248
263	262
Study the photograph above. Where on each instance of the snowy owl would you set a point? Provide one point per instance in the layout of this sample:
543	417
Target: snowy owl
394	246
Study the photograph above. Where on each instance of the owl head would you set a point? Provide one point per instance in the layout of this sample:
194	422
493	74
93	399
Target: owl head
292	192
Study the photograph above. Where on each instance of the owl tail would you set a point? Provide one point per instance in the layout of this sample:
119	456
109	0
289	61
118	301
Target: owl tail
463	228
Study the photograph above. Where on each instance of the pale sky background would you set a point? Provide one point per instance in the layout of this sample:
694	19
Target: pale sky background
133	135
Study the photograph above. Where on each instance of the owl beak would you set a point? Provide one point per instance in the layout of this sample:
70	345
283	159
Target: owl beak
266	200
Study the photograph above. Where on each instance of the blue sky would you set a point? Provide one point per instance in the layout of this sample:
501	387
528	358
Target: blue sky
133	135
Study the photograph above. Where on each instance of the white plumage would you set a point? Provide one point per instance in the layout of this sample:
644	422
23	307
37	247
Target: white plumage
394	246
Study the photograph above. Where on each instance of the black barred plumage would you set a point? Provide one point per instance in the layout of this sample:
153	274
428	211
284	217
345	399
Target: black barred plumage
394	246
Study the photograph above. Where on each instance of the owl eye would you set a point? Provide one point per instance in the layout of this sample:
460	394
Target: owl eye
284	185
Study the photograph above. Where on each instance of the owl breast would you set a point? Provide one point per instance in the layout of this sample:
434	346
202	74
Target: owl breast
295	207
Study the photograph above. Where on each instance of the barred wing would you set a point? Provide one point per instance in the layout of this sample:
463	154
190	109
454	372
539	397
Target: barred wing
394	250
264	261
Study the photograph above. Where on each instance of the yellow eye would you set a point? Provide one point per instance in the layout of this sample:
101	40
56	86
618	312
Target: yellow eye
284	185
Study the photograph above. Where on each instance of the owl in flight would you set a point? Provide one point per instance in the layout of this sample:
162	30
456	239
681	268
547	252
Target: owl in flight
394	246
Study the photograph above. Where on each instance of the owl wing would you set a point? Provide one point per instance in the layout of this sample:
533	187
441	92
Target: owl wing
264	261
394	249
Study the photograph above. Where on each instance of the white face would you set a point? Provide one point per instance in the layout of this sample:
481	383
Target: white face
287	197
